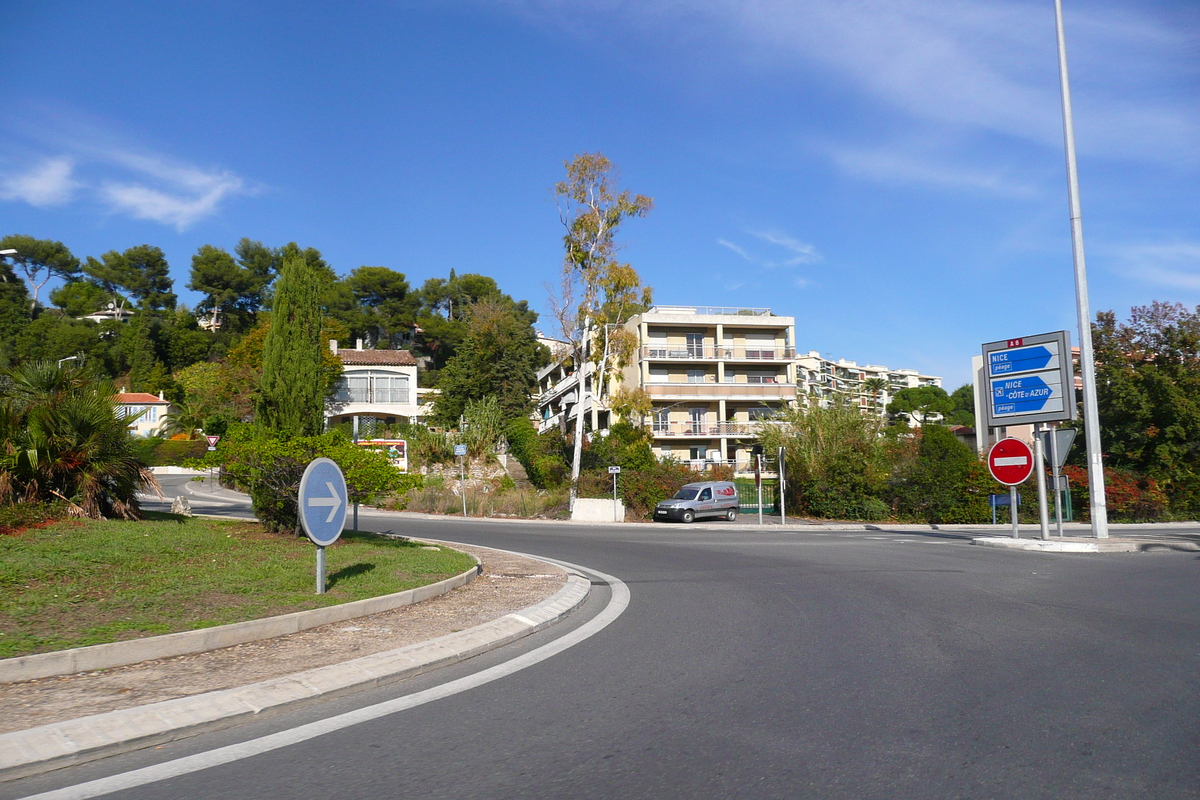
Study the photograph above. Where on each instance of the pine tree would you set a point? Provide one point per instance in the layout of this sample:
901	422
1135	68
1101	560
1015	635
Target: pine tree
292	391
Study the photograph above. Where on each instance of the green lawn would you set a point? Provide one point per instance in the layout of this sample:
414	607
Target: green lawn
74	583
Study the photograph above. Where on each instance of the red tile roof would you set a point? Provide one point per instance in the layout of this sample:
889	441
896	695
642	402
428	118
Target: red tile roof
139	397
383	358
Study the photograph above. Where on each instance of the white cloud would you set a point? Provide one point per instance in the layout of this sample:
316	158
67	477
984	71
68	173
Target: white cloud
890	164
973	67
803	253
734	248
1176	264
186	196
47	184
121	177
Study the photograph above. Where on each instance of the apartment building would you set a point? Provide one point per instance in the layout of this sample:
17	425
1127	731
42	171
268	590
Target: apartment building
714	376
869	386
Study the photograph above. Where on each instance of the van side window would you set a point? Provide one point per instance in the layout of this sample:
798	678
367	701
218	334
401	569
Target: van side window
705	495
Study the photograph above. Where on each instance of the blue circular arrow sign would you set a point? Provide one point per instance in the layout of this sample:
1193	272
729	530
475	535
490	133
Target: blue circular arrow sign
323	501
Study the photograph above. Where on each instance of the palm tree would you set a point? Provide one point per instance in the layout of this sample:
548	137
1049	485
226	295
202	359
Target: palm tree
875	386
64	440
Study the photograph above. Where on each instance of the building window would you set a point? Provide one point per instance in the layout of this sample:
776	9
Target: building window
760	413
695	376
761	377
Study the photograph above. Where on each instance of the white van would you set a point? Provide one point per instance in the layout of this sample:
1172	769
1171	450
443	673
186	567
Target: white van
703	499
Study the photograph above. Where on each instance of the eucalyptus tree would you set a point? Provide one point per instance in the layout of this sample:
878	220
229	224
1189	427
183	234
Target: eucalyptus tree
598	293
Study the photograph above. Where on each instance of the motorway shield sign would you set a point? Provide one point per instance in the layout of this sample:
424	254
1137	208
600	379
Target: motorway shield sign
323	501
1010	461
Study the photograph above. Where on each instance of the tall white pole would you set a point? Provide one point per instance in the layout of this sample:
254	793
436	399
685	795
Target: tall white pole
1091	420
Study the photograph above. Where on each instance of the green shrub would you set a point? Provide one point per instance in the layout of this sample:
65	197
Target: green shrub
158	452
539	454
268	466
643	489
946	482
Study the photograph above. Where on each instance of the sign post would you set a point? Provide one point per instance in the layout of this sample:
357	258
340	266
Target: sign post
782	488
614	471
1010	461
460	451
1031	380
322	503
1059	443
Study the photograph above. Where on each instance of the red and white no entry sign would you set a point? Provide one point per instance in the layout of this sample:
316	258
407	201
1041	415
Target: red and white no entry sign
1010	461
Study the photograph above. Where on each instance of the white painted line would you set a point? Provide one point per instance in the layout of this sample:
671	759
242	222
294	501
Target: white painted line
236	752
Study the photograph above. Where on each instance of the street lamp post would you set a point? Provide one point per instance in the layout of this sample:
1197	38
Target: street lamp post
68	358
1087	364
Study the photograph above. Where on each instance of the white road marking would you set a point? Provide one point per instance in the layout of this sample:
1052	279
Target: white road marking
236	752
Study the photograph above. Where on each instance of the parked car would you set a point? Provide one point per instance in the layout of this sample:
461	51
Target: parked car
703	499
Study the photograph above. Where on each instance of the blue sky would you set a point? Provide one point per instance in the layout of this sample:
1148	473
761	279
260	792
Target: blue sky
891	173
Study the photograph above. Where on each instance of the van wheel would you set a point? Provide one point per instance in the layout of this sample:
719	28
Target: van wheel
687	516
731	514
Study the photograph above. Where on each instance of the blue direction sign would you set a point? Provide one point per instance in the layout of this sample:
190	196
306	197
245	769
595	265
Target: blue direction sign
1028	380
1023	359
1014	395
323	501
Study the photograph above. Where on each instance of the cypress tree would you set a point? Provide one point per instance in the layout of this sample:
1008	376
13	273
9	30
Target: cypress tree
291	398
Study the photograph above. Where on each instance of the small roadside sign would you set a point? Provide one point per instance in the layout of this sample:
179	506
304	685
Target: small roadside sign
1066	437
614	470
323	501
460	450
212	441
1010	461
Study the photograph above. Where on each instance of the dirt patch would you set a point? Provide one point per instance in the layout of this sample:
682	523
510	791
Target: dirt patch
508	583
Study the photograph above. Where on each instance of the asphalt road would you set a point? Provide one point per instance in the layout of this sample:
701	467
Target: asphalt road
766	664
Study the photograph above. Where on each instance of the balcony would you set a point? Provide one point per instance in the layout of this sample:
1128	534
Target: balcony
398	396
698	353
721	391
675	429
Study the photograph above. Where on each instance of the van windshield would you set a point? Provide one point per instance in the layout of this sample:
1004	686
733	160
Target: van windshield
686	494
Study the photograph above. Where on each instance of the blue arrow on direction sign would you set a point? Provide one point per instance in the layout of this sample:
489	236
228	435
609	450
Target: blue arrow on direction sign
1020	395
323	501
1023	359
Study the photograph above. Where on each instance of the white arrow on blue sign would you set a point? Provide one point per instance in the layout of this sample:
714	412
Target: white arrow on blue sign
1015	395
1025	359
323	501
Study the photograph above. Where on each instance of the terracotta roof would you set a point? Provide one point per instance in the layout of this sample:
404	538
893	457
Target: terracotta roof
384	358
139	397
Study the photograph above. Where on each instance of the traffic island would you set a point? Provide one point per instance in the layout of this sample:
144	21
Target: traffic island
1078	545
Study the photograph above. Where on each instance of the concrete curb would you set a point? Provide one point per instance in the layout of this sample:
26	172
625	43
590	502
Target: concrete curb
49	747
135	651
1093	546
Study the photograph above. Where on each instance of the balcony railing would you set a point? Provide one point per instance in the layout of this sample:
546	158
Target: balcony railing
658	352
716	391
397	396
690	428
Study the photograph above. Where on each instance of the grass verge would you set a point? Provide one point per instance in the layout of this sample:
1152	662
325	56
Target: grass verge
77	583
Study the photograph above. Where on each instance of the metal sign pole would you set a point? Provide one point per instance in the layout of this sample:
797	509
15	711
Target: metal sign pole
615	498
1012	509
320	569
356	442
1039	449
782	509
463	482
758	480
1054	463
